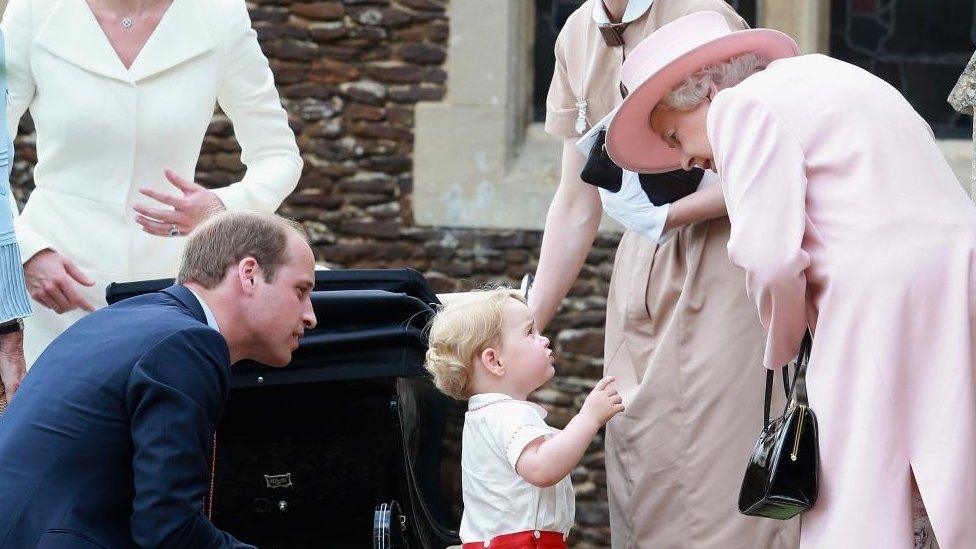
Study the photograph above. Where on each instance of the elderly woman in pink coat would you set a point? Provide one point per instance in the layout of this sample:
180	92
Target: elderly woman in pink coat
846	219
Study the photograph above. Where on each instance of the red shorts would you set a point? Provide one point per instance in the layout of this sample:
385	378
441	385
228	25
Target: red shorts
530	539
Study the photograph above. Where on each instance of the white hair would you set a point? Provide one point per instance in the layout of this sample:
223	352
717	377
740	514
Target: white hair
695	88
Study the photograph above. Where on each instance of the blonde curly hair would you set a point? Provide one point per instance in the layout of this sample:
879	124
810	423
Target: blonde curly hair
459	332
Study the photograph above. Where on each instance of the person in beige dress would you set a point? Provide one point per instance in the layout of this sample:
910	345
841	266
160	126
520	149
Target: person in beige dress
682	338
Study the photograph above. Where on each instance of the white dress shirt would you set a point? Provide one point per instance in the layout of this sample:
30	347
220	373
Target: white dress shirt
211	320
497	501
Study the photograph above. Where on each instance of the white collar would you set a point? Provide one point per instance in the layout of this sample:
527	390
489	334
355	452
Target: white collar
635	9
182	34
481	400
211	320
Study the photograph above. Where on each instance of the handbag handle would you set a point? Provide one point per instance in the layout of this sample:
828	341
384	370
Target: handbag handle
796	392
799	385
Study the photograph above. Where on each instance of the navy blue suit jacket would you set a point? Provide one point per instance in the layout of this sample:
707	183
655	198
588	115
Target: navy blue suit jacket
106	443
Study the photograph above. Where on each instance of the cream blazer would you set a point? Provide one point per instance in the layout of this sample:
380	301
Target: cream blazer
104	131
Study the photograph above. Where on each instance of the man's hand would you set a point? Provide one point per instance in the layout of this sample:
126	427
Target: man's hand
13	367
52	281
189	208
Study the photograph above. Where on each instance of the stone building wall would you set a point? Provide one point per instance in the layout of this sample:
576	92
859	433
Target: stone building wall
350	73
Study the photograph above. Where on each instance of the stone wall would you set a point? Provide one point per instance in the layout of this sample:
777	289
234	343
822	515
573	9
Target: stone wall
350	73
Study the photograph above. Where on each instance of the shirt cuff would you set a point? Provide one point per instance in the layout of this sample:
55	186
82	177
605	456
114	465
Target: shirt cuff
520	438
14	299
561	123
655	230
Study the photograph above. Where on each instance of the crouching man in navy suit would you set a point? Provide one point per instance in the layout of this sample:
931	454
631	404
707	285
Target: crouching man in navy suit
107	442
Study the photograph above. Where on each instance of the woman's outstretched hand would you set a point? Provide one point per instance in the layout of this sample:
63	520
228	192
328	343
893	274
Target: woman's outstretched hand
189	208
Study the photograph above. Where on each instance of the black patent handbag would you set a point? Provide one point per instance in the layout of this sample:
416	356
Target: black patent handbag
781	478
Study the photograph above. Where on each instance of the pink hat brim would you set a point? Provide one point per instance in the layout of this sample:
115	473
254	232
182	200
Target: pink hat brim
630	141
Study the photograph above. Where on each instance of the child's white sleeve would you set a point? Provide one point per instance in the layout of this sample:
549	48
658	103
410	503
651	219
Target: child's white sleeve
516	424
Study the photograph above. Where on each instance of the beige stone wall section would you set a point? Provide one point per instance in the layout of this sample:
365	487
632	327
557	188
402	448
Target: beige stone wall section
478	162
959	153
807	21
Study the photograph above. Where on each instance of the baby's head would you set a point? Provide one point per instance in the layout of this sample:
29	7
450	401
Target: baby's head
487	342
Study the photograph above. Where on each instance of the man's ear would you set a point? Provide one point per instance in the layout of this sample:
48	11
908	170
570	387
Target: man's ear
247	271
492	361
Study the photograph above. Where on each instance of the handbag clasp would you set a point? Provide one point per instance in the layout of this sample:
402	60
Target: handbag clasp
799	431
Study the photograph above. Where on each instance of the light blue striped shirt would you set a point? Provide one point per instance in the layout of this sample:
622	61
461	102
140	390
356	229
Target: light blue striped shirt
14	300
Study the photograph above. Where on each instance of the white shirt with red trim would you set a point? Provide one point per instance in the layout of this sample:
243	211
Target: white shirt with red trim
497	501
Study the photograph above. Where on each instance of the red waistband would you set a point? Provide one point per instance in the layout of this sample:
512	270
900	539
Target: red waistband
530	539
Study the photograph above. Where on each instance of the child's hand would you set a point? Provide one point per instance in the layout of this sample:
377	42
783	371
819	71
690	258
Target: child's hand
544	462
603	402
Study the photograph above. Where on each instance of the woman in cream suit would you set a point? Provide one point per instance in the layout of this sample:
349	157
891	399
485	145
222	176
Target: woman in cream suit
121	93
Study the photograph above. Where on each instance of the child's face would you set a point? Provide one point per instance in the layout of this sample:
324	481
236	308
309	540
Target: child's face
524	352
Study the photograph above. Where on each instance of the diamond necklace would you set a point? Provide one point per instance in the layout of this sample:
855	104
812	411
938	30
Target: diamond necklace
128	20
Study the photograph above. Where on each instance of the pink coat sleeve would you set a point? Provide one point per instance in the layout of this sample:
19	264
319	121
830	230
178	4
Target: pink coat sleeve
763	172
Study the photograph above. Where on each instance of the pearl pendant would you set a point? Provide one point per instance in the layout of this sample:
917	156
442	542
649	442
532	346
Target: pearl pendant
127	22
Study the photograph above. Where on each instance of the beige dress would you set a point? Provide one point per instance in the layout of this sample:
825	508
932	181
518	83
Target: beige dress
682	339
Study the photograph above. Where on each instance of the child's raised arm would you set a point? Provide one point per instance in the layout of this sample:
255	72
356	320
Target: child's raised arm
544	462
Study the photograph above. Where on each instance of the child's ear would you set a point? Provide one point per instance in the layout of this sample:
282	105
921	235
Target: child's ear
492	362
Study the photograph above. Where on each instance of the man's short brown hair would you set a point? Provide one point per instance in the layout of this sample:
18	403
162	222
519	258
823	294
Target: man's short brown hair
226	238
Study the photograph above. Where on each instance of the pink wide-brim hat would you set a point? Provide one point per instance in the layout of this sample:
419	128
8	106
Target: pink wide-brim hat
659	63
